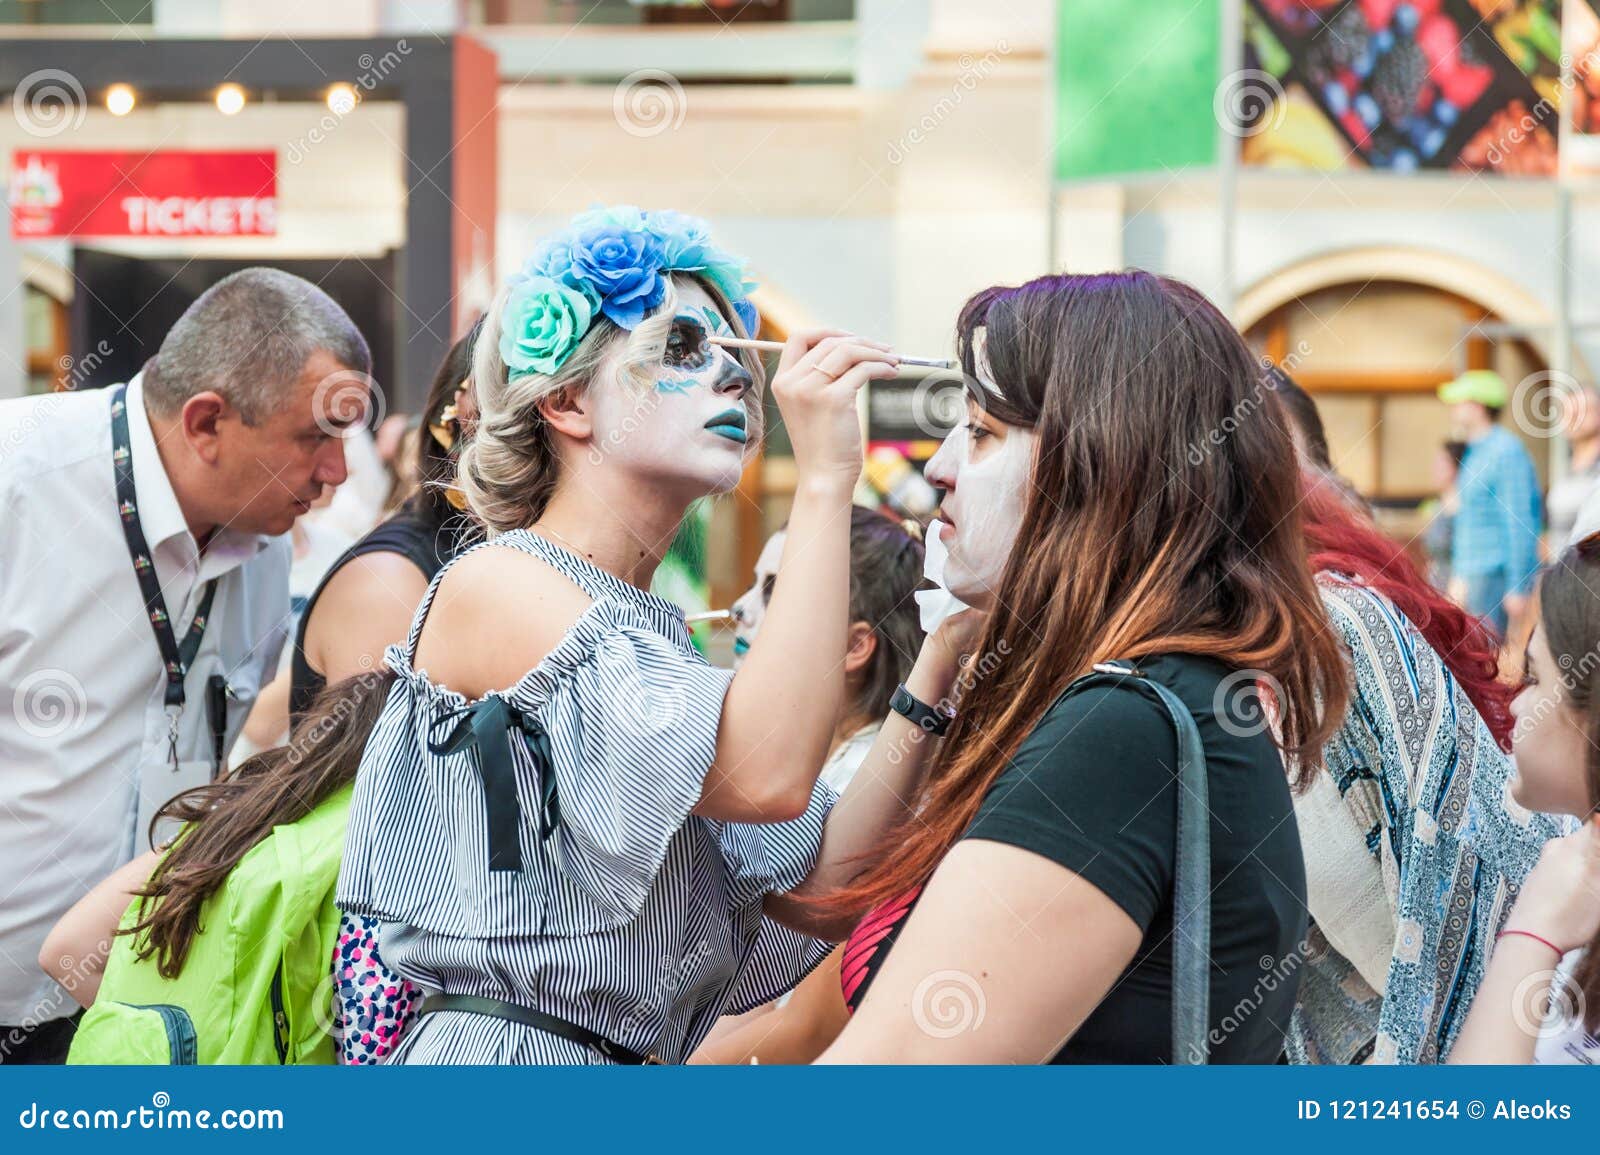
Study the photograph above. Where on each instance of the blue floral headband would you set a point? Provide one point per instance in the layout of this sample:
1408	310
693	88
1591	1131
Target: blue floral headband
610	262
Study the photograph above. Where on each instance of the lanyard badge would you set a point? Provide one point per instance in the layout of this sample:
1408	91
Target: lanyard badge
176	656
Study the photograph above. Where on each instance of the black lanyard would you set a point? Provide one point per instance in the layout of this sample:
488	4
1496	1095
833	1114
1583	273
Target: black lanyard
176	656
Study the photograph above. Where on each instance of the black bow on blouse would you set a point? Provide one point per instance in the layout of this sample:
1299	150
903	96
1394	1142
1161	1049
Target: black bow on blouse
485	726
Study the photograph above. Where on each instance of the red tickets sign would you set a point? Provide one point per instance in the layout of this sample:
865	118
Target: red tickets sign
144	194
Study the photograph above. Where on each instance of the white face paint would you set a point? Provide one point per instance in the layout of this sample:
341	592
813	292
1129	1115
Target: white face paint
751	608
984	469
693	428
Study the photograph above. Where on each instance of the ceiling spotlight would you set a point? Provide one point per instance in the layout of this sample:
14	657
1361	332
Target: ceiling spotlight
230	99
341	100
120	99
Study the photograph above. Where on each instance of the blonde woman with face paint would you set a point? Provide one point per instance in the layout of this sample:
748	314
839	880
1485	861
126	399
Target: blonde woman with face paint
577	834
1540	998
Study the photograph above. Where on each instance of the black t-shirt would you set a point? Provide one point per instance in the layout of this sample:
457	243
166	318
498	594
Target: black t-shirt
1094	788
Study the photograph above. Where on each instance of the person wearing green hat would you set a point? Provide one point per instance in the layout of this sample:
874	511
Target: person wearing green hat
1496	545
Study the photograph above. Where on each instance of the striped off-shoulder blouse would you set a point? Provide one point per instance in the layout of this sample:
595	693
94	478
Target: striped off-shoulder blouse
575	879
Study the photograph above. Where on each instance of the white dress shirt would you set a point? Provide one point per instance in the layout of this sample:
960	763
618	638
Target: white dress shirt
84	749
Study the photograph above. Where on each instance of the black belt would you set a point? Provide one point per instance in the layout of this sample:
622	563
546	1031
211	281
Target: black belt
538	1020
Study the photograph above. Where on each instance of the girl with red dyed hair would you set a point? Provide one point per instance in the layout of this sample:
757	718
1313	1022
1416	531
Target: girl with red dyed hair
1414	849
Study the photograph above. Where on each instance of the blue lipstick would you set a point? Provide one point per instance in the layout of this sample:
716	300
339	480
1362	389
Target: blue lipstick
730	423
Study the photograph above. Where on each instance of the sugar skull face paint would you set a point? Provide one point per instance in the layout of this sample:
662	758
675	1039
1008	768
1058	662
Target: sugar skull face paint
751	608
693	426
983	467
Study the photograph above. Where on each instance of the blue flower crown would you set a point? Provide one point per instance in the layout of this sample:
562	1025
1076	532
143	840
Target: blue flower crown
611	262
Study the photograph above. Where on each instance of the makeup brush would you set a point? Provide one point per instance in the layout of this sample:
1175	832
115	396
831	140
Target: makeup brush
709	616
777	347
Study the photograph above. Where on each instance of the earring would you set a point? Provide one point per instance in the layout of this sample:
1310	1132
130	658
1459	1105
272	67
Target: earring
444	430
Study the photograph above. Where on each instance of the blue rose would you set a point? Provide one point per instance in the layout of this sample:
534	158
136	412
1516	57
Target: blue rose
625	217
749	317
621	268
684	239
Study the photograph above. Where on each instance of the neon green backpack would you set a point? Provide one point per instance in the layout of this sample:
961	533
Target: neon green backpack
256	987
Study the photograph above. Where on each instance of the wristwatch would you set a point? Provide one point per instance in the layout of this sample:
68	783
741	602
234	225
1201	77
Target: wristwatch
929	718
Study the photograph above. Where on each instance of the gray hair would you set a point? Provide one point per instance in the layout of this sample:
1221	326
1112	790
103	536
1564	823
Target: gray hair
248	337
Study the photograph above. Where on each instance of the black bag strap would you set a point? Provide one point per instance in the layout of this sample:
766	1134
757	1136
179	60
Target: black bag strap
1191	901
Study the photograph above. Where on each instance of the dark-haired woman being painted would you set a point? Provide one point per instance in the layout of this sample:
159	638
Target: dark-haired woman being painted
1029	891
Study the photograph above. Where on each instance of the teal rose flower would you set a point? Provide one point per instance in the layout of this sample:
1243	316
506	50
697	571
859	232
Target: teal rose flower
726	272
541	324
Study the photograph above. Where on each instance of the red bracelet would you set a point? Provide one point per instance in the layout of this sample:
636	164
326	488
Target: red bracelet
1534	937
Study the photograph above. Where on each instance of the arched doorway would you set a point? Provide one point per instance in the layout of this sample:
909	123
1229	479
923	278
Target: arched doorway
1372	333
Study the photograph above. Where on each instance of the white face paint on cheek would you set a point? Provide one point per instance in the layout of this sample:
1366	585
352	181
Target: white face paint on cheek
750	610
987	504
687	427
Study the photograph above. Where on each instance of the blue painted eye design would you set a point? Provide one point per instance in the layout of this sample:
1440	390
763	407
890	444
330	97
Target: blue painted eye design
689	348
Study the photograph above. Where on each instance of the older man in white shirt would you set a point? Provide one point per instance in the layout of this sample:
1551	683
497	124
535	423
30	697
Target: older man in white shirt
128	512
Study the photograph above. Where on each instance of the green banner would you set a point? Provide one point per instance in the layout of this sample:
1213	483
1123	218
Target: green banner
1135	85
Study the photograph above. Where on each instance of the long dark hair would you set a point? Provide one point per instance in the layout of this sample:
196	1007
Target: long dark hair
225	820
1302	412
1570	614
436	464
1161	518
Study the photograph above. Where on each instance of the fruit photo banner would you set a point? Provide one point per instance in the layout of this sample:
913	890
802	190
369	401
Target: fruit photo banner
1403	85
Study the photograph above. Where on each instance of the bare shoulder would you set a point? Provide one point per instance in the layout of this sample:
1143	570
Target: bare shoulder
496	614
367	604
378	582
